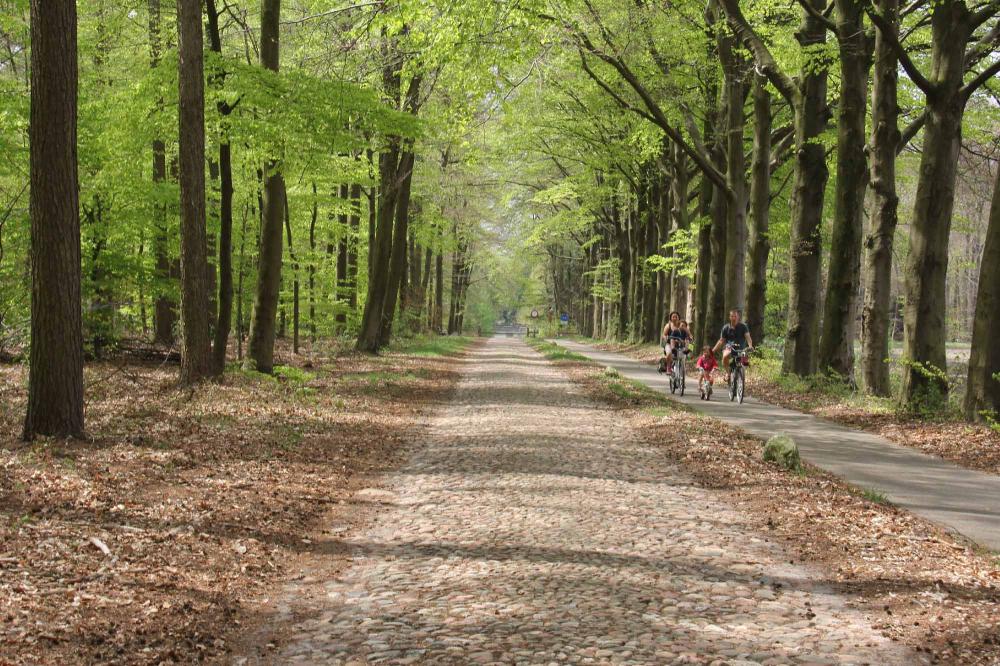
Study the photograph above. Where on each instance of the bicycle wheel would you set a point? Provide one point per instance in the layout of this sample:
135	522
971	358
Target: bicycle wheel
739	386
681	377
732	384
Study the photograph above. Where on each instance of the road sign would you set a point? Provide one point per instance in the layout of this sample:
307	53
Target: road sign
534	314
564	318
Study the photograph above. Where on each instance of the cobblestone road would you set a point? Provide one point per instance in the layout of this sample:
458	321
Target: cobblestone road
531	528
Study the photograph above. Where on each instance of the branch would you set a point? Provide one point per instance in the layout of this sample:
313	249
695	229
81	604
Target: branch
910	131
766	64
615	96
988	11
889	34
976	83
822	18
657	115
331	12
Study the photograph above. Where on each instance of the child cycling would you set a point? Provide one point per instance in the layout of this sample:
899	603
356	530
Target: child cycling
706	363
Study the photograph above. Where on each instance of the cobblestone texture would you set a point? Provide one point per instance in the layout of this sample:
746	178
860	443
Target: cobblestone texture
531	528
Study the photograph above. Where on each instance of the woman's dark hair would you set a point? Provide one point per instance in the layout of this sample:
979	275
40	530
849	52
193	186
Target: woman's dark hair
671	315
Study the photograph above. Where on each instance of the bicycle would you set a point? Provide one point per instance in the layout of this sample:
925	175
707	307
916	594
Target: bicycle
705	387
738	360
677	380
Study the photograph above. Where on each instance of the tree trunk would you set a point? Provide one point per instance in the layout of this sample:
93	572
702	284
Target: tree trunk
924	330
380	252
260	352
313	218
196	356
706	333
354	220
811	117
883	217
55	379
624	269
664	213
760	202
342	252
734	266
836	351
983	392
225	304
397	264
681	223
165	308
295	280
649	331
438	320
717	307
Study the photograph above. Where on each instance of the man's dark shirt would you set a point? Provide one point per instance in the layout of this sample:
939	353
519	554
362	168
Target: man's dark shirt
735	334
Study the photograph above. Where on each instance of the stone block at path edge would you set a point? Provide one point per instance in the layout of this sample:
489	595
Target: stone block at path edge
783	450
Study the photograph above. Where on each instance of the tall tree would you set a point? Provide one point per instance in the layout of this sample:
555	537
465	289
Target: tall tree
165	310
983	392
807	96
260	352
380	248
953	25
55	379
225	301
196	359
760	205
836	350
681	224
883	215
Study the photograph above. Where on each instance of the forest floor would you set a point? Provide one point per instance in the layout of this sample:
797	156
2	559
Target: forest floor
943	434
161	538
920	585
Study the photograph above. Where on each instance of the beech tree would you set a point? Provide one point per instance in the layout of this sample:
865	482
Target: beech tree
196	361
982	396
55	380
807	96
260	351
953	25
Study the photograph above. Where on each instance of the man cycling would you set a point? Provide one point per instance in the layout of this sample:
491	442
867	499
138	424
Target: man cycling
734	335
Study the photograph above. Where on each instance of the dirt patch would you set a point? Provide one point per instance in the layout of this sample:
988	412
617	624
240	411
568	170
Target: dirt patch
919	584
163	538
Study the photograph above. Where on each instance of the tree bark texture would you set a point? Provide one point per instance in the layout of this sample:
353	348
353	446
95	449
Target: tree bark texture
883	215
260	348
760	204
196	356
983	391
836	350
811	117
55	379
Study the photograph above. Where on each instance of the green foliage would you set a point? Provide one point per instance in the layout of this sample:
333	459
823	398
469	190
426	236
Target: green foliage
931	400
432	345
555	352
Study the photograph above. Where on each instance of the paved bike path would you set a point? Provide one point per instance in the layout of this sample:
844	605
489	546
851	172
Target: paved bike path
963	500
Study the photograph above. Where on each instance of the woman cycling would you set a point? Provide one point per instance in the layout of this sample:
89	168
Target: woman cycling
670	343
